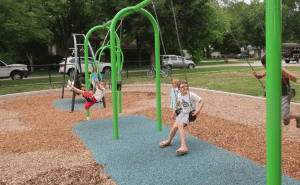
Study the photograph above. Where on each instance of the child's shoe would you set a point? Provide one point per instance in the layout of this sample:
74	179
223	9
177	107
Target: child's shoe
286	121
298	123
69	85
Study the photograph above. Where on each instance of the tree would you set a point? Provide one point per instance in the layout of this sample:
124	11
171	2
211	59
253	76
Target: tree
23	29
196	22
65	17
290	20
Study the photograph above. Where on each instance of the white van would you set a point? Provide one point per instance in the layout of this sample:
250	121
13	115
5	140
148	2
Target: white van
105	68
174	61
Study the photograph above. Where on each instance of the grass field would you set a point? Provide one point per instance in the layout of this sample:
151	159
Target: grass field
229	79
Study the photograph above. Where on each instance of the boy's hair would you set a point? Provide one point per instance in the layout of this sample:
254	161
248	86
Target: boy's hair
175	80
104	83
181	82
263	60
95	69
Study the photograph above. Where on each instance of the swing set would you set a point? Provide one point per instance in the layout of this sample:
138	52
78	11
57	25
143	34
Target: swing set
273	45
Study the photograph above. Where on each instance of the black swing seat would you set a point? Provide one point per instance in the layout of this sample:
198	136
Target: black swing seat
119	85
191	117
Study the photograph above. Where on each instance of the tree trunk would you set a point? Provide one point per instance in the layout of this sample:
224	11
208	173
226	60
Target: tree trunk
31	61
151	51
259	52
152	56
139	50
208	52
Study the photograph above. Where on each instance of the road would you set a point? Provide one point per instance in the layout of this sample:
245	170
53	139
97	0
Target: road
256	63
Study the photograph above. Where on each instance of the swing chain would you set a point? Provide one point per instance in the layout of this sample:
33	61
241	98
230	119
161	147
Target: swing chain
228	31
109	31
258	17
188	88
161	38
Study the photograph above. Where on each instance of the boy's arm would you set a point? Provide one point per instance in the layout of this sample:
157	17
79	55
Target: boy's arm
99	88
288	74
200	105
177	104
259	76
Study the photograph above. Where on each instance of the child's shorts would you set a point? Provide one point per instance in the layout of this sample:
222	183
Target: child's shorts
285	107
183	118
89	104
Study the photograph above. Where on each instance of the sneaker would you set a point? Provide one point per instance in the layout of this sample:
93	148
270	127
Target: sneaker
298	123
69	85
286	121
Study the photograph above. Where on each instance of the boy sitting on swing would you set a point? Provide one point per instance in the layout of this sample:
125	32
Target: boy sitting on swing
92	98
285	98
189	102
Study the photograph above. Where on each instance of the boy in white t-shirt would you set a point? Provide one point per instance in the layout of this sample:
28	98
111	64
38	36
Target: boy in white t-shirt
92	98
188	101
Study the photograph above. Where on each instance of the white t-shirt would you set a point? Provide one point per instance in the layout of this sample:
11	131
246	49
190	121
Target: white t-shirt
99	94
185	101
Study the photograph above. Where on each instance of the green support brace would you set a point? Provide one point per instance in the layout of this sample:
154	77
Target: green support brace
119	15
273	89
113	39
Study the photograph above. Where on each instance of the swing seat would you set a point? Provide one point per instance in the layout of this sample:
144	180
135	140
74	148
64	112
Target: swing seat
191	117
178	111
119	85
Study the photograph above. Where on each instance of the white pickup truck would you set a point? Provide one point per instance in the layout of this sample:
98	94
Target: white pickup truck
13	71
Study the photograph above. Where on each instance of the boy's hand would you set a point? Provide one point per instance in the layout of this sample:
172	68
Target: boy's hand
254	73
195	113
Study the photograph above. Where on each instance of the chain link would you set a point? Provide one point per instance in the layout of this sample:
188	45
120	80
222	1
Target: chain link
161	38
258	17
228	31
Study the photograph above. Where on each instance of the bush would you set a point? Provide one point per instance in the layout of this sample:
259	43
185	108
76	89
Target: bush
48	59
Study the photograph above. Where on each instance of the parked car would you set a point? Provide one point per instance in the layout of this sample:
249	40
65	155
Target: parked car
239	56
294	56
230	55
174	61
105	68
13	71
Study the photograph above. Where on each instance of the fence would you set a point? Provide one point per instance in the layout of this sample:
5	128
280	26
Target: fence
52	74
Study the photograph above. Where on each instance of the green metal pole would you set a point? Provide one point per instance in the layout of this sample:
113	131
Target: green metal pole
113	63
273	89
86	54
118	53
157	65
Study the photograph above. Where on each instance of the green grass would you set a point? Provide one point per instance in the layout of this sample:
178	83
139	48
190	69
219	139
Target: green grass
237	79
222	59
219	63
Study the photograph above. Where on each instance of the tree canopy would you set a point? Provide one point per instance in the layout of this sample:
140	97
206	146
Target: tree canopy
28	26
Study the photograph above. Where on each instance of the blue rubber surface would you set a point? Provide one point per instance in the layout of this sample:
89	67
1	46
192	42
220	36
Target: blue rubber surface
66	104
136	158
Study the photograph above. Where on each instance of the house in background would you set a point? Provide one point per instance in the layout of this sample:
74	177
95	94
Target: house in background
96	43
287	48
254	52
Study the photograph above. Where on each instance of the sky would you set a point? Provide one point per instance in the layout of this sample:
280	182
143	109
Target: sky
249	2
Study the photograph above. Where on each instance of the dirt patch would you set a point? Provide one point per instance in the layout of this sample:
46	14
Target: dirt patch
38	146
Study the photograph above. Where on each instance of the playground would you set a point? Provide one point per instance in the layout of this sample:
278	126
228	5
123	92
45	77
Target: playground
41	144
47	137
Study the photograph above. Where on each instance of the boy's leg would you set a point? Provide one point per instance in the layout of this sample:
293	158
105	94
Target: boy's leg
172	134
297	117
181	128
77	90
293	116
